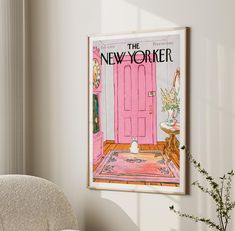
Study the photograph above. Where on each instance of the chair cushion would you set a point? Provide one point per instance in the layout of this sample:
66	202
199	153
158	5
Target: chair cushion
30	203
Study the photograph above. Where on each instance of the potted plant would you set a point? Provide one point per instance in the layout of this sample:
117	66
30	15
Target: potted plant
220	192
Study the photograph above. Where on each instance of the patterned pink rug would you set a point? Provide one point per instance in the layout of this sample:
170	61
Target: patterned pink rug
146	166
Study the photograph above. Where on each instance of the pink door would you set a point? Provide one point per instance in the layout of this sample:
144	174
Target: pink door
135	102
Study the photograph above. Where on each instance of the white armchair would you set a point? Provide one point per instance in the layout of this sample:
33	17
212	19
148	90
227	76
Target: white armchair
30	203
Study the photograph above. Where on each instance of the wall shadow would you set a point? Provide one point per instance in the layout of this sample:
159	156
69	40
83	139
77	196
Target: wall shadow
104	215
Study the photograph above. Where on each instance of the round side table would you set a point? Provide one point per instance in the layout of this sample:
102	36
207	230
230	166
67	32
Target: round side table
172	143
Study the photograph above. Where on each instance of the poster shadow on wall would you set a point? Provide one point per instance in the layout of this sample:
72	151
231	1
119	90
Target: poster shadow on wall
106	215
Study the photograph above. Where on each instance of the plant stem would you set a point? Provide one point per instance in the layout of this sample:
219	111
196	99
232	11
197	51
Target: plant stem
221	196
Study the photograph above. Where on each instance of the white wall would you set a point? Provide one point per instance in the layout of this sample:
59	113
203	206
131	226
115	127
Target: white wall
58	30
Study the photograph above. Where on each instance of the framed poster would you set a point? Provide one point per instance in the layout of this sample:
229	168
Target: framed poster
137	95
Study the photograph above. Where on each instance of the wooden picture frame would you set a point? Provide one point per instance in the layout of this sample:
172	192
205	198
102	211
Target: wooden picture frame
137	111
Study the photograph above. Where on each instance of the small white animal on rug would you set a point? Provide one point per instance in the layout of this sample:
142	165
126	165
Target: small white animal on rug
134	146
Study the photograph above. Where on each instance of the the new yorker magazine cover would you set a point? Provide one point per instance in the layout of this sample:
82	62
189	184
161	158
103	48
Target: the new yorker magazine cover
137	111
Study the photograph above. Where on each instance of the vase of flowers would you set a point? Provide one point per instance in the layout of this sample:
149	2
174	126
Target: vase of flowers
170	104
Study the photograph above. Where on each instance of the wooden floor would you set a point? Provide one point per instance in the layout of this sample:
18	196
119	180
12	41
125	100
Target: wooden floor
110	145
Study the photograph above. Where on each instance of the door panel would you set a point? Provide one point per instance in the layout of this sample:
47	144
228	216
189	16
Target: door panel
134	106
141	127
127	88
141	88
127	127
